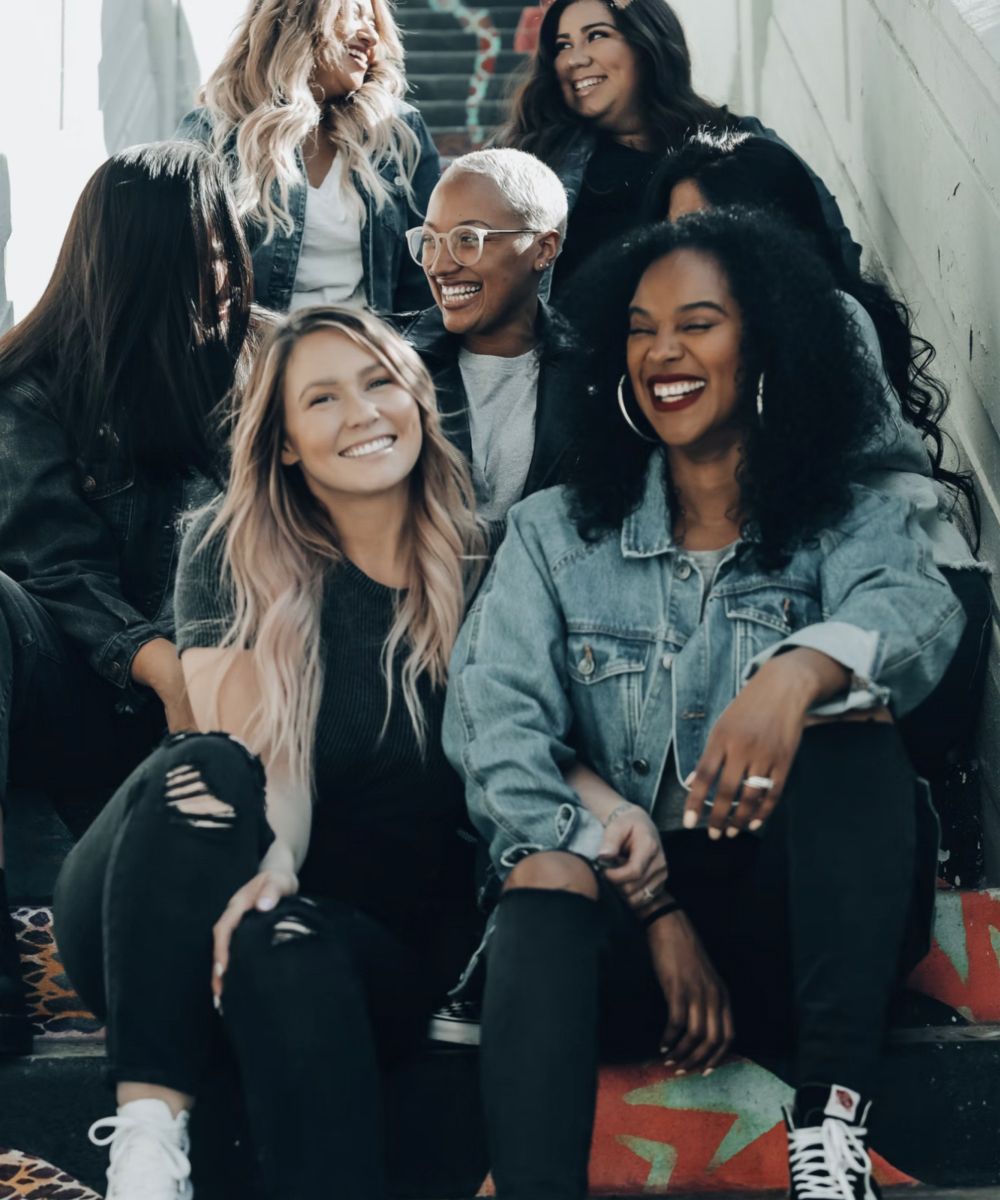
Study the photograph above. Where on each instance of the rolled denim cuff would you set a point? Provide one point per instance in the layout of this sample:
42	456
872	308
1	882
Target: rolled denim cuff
588	833
114	660
854	648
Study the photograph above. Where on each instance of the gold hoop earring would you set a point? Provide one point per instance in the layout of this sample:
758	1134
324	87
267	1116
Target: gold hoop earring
628	420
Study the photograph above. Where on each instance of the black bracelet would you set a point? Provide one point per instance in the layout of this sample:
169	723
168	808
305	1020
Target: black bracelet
663	911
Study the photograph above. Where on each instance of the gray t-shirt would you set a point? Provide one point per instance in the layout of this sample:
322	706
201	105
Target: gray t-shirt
503	393
668	808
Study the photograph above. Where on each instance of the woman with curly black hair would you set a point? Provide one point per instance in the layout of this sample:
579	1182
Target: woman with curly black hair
719	626
715	170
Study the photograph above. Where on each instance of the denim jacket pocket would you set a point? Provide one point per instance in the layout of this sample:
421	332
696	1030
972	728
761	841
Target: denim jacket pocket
606	674
113	498
763	615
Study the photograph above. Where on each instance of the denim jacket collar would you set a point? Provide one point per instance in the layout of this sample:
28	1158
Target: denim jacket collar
648	531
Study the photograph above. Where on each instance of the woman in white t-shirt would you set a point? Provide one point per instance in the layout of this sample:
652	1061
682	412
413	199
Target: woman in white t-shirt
331	166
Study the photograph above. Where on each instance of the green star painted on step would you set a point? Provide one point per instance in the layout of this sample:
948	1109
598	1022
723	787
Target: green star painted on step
753	1095
661	1158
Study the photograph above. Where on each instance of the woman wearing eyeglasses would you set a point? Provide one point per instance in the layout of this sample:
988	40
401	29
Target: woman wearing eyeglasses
499	357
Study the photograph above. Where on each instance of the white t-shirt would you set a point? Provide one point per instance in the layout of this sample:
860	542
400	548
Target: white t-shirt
503	394
330	269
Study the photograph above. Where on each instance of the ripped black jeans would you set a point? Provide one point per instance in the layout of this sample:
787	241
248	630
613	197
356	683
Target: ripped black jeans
317	994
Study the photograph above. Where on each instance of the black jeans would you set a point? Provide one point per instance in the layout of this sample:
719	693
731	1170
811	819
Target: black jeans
317	994
810	925
58	721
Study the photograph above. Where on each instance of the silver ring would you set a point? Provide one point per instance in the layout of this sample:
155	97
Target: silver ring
764	782
648	894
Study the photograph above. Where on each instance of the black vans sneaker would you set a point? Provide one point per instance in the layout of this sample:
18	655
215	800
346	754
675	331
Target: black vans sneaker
827	1145
456	1023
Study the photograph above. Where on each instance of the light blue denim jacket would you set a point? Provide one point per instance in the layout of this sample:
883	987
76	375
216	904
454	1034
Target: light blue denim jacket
393	281
598	650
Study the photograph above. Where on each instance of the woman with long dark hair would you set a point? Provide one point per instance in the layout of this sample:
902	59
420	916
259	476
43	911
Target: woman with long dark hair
317	605
331	166
606	95
717	622
110	394
905	457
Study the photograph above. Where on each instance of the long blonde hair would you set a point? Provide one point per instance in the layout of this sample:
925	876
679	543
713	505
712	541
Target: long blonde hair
261	91
278	545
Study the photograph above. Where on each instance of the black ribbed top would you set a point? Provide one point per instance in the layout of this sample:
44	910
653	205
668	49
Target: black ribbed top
384	832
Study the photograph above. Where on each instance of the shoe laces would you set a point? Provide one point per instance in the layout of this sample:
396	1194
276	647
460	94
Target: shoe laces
824	1160
148	1158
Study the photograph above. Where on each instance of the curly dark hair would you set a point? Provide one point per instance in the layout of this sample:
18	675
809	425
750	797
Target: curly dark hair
541	123
822	398
737	168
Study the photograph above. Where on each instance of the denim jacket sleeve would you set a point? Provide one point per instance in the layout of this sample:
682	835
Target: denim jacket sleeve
195	126
889	616
55	544
412	291
508	717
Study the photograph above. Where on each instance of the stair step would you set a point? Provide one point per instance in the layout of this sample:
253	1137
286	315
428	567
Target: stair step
410	20
443	113
456	62
452	87
655	1133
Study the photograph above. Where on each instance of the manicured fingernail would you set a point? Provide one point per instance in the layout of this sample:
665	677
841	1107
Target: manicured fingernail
219	969
690	819
690	780
680	1072
714	834
217	1002
732	832
756	824
265	904
663	1050
707	1071
670	1063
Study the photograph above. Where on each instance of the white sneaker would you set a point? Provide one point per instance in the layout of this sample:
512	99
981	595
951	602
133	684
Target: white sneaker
149	1152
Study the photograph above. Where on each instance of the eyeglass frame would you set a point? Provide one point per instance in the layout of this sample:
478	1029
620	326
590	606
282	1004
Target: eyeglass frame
482	234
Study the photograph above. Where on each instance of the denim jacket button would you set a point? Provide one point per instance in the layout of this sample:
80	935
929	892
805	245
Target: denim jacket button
683	570
586	664
89	484
640	766
667	661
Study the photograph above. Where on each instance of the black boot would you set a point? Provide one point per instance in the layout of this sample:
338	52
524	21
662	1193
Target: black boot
15	1030
828	1145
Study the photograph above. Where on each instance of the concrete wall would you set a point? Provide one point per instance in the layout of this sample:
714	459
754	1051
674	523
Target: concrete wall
896	103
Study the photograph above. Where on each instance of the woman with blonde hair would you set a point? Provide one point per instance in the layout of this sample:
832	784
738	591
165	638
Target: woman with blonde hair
317	604
330	165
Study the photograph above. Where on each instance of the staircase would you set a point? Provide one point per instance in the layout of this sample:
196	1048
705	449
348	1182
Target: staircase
459	63
937	1123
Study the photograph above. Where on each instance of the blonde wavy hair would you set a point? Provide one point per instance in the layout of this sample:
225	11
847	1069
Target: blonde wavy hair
278	544
261	92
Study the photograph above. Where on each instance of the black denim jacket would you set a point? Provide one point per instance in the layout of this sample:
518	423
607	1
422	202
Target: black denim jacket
554	426
96	546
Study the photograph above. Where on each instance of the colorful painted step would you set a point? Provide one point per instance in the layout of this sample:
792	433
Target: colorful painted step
656	1133
25	1178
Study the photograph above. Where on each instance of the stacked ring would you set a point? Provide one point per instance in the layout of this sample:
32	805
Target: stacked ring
764	782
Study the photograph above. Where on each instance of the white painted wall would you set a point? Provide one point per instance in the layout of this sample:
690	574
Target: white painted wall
896	103
81	79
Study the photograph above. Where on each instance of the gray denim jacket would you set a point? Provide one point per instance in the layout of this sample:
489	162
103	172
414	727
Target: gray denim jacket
598	650
393	281
96	546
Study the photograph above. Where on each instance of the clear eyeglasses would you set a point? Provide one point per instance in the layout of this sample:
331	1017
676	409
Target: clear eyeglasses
465	243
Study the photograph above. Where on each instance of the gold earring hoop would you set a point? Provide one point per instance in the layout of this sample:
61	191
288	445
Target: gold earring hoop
624	411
